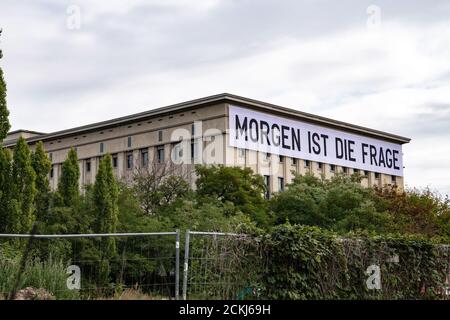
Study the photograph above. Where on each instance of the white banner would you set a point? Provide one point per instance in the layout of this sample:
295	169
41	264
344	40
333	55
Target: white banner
267	133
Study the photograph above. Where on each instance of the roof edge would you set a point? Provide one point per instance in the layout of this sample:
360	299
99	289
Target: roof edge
224	97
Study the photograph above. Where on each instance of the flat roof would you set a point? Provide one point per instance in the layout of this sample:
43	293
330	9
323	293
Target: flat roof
26	131
219	98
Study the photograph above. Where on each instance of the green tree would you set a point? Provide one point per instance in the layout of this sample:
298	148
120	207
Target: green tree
23	188
341	204
5	190
41	165
68	185
157	187
239	186
4	113
302	202
416	211
105	196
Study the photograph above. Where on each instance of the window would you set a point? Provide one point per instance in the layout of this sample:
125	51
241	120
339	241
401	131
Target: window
280	184
193	150
377	175
160	135
267	183
306	163
51	172
160	154
356	171
102	148
129	142
332	167
241	152
366	173
319	165
144	158
114	160
193	128
178	152
294	161
281	158
50	156
88	166
345	170
129	161
394	179
267	156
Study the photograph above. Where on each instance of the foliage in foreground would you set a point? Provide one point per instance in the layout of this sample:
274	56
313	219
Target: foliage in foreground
302	262
49	274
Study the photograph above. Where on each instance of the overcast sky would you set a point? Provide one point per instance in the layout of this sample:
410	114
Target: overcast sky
383	64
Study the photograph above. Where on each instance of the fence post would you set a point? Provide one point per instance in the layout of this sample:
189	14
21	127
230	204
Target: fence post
177	265
186	264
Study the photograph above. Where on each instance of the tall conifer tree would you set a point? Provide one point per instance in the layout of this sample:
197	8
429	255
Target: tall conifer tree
23	188
41	165
5	189
106	194
4	113
68	185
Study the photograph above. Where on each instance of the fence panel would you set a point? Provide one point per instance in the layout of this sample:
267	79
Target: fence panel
219	266
91	266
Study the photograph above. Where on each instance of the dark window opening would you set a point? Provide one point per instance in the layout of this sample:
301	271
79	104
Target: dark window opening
129	161
280	184
114	160
160	154
267	183
144	158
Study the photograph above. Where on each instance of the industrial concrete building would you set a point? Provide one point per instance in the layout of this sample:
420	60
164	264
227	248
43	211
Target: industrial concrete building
274	141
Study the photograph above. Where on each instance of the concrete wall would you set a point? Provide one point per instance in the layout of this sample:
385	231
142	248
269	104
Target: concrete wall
145	135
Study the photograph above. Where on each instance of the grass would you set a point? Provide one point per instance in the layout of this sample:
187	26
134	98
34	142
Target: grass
50	275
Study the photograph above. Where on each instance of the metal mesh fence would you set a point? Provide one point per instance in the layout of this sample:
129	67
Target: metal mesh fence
91	266
220	265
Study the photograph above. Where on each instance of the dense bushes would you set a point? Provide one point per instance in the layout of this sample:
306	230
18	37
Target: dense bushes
304	262
343	205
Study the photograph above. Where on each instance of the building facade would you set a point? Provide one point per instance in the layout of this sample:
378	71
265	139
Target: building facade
274	141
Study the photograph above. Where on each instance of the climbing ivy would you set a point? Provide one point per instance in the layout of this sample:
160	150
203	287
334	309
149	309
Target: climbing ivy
302	262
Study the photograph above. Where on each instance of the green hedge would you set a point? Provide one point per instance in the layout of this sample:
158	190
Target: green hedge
303	262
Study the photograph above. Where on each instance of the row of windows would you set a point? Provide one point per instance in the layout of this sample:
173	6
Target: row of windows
144	157
138	124
130	142
281	185
129	160
307	163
